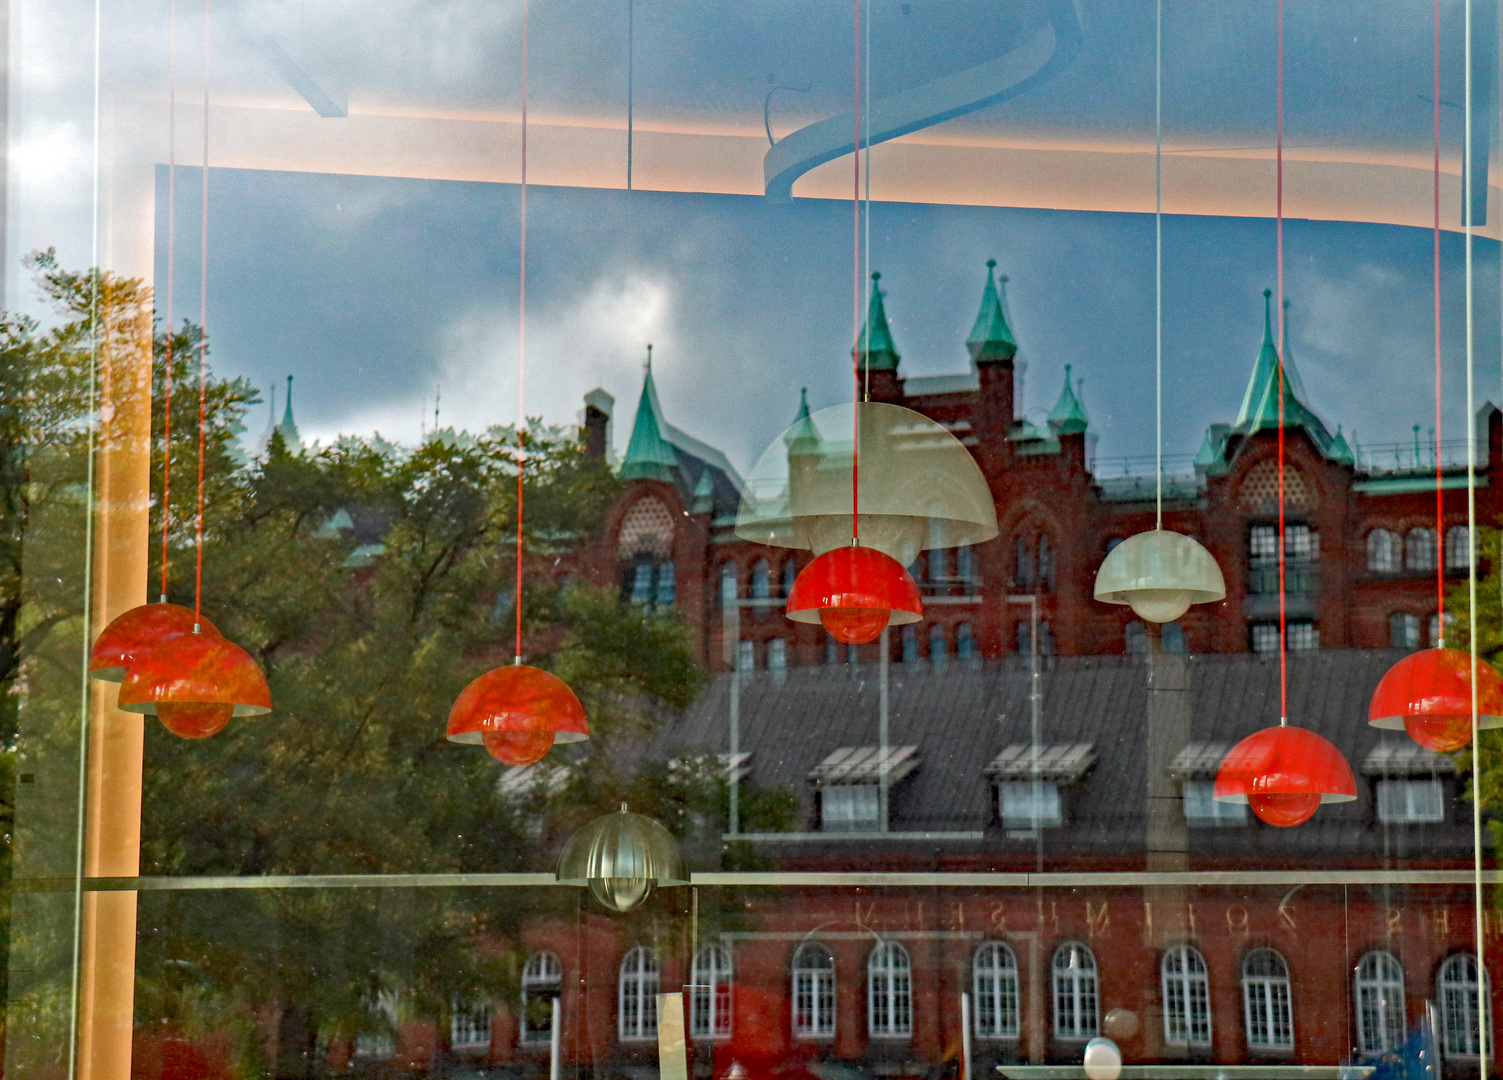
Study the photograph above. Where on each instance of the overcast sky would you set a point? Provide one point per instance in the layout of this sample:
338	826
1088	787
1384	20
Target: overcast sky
376	292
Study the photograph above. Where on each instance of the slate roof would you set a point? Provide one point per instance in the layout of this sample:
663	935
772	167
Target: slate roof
962	718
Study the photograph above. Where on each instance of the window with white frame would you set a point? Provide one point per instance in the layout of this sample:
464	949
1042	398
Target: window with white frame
1076	997
729	584
1418	800
469	1025
1379	990
850	808
1437	639
1265	638
1187	997
710	993
889	992
994	991
1460	1030
1022	805
541	979
1198	797
1266	1006
1383	552
761	580
1458	547
1403	630
1303	636
813	992
1419	549
637	996
379	1041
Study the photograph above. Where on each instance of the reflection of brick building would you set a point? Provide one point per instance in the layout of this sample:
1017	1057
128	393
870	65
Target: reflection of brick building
1324	942
1362	546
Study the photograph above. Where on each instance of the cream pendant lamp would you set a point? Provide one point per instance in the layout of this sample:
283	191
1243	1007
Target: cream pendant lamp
1159	574
920	487
623	858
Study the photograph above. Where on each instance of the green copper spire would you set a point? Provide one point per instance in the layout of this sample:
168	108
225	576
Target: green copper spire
1068	417
875	345
802	437
1206	456
1339	451
288	427
1260	404
991	338
649	456
704	493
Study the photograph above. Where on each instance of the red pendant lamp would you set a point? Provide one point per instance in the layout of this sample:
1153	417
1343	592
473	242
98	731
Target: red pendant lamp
193	680
855	593
1429	695
134	633
1284	774
519	712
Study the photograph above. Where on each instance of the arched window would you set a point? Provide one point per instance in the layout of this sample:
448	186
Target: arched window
1403	630
1458	547
710	994
730	587
1076	1000
1023	564
1461	1034
1046	564
790	574
667	589
813	992
1382	552
965	565
469	1024
761	581
1265	1001
994	988
541	979
1187	997
637	996
1379	991
889	992
1419	549
965	642
939	652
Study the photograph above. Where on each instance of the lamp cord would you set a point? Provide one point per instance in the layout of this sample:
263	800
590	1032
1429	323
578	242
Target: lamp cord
1440	561
203	343
522	341
856	282
1158	260
1279	364
171	259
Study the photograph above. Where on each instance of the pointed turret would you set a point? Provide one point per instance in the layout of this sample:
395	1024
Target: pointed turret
1260	404
704	493
802	437
649	456
991	338
1068	417
1339	451
874	348
288	427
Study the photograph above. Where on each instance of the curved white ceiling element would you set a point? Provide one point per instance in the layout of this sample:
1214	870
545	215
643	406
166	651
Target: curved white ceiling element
1042	55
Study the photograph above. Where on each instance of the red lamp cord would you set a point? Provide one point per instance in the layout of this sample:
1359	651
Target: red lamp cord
171	256
856	285
203	345
521	340
1279	212
1440	562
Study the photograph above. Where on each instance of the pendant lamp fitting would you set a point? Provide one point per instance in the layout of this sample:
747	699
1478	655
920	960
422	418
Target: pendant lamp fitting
1159	574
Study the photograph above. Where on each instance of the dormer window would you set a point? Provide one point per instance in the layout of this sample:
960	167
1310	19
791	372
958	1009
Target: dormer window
849	783
1030	779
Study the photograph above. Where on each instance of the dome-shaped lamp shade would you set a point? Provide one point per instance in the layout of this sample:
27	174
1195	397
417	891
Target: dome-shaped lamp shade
517	713
854	592
133	633
1159	574
1284	774
920	487
622	858
195	683
1429	695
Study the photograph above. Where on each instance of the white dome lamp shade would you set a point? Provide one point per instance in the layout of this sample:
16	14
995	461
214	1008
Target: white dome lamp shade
1102	1059
920	487
1159	574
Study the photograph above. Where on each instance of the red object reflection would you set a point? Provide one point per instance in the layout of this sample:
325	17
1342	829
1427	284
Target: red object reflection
1429	695
518	747
517	713
132	634
1284	773
1285	810
190	680
854	592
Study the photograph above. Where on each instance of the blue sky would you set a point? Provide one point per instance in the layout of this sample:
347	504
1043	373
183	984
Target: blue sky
373	292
